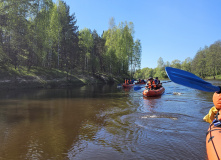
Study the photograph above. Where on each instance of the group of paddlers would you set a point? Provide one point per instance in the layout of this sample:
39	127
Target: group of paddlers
129	81
151	84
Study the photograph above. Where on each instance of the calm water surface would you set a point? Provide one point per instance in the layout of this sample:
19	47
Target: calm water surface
103	122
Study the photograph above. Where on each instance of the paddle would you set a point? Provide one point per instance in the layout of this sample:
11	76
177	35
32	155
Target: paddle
139	87
190	80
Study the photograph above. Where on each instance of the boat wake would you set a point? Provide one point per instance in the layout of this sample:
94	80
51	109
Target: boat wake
177	93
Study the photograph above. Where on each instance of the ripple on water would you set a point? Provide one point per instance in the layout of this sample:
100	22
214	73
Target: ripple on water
160	121
165	133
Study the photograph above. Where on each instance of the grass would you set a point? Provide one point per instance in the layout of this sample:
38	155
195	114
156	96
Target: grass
38	77
212	77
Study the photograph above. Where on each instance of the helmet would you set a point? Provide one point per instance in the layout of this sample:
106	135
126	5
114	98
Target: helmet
217	100
150	78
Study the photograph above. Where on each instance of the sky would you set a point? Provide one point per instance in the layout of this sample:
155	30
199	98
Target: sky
170	29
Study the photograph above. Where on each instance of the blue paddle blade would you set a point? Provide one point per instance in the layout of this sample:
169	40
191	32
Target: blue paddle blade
190	80
137	88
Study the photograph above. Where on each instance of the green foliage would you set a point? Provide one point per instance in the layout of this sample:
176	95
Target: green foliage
145	73
122	53
176	64
86	44
186	65
40	33
206	63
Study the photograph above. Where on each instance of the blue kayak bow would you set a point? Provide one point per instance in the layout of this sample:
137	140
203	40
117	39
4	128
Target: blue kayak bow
190	80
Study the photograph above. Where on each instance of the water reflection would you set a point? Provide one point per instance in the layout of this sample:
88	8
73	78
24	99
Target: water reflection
150	103
103	122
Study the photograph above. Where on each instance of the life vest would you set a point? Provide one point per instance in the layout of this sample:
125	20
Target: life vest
126	81
217	121
151	84
213	114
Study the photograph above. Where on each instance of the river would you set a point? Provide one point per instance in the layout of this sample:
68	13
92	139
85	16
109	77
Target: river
103	122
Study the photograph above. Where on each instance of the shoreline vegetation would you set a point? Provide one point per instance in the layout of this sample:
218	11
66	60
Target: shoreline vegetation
41	46
22	78
36	78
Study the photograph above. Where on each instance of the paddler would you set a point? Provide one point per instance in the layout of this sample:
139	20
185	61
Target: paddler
214	115
150	84
157	82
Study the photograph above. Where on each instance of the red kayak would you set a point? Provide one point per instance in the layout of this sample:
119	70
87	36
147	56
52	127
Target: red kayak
127	85
153	93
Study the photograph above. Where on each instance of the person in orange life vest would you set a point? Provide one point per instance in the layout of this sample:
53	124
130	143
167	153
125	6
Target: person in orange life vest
126	81
150	84
215	111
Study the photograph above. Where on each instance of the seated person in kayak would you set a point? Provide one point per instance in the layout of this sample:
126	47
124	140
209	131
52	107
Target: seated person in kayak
128	81
150	84
157	82
143	81
214	115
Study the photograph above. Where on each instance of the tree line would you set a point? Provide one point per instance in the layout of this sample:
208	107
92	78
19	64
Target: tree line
206	63
40	33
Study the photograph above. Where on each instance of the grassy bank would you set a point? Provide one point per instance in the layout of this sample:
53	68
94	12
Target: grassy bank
212	77
36	77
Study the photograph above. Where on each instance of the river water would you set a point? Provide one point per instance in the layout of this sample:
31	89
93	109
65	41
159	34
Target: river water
103	122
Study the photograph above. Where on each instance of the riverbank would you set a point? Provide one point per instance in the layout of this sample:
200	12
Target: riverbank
22	78
214	77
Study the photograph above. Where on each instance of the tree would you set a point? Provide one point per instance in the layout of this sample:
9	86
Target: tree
68	47
119	43
213	59
186	65
85	43
98	52
14	31
199	64
137	54
160	70
176	64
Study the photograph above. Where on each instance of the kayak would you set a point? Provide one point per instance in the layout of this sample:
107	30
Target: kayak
213	142
127	85
153	93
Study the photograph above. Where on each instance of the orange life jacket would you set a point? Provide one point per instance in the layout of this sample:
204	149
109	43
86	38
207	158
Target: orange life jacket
151	84
126	81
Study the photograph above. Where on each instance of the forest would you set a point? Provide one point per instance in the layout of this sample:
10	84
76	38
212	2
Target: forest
43	34
205	64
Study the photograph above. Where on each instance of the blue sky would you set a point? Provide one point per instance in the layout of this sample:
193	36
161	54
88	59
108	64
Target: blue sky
171	29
